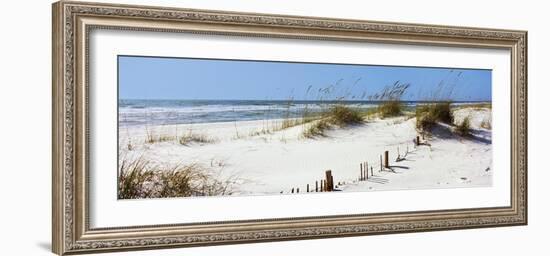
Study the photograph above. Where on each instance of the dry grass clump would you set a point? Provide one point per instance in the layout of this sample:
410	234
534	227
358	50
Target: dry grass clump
263	131
185	139
428	114
391	99
390	109
316	129
140	179
464	128
131	179
338	115
342	116
291	122
191	137
152	137
425	122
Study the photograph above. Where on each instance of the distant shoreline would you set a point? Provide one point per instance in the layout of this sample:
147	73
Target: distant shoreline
172	112
299	101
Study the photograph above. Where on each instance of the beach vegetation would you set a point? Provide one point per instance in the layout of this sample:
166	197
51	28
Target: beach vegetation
263	131
337	115
391	99
191	137
152	137
427	115
390	108
342	115
185	139
316	129
464	128
141	179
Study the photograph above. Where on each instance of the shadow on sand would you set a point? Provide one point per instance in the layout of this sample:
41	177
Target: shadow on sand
445	131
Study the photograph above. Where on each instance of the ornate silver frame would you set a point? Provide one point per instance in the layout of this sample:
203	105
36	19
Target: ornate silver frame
72	22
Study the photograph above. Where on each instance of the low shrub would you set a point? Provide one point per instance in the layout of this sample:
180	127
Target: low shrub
464	129
342	116
427	115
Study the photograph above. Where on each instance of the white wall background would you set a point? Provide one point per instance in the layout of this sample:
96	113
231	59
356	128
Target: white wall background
25	149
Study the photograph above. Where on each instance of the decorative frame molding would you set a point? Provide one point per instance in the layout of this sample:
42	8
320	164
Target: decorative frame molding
72	22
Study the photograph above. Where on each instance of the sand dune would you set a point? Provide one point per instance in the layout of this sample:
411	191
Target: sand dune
265	160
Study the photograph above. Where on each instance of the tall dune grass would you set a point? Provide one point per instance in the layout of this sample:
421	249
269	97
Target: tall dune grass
342	115
391	97
141	179
464	128
338	115
427	115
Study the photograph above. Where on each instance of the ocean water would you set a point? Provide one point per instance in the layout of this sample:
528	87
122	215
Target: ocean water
159	112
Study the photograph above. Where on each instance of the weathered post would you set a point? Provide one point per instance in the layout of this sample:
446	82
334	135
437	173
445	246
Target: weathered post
366	170
316	186
381	163
307	188
417	140
328	182
292	191
386	159
297	190
361	171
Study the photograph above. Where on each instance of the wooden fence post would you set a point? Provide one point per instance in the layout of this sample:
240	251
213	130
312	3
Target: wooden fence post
316	186
367	170
386	159
361	171
380	163
328	182
307	188
417	140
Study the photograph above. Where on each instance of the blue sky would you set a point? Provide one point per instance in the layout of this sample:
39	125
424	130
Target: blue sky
183	78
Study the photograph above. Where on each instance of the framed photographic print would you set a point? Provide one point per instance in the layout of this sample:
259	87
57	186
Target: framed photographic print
179	127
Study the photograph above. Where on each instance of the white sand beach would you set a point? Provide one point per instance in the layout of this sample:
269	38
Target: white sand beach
262	161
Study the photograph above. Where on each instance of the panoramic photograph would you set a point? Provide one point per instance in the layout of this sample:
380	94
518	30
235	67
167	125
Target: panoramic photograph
191	127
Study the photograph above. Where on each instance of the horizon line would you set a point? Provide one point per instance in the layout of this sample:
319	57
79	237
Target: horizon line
286	100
